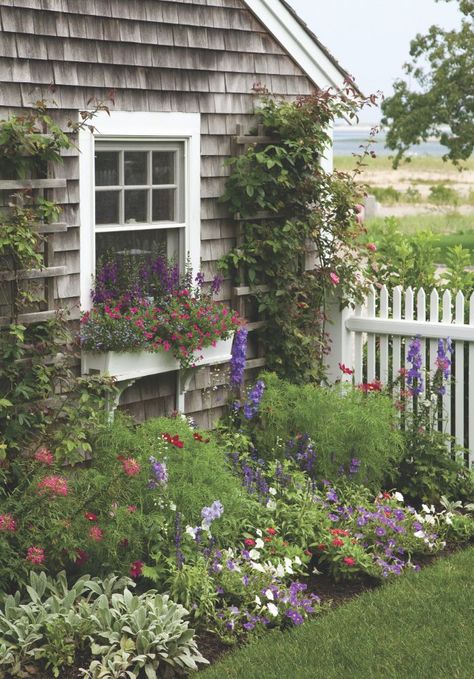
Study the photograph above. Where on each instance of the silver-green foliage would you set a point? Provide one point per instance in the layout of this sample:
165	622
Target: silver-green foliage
127	633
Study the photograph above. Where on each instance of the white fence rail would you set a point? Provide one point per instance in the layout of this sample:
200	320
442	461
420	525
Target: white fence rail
373	340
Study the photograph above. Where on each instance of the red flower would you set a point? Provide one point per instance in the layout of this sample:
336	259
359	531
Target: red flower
81	558
345	369
349	561
130	466
322	547
96	534
337	542
56	485
90	516
44	456
35	555
267	539
308	552
7	523
338	531
132	508
372	247
371	386
249	542
270	531
136	569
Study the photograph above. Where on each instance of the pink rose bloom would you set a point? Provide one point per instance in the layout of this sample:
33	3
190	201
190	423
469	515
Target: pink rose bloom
334	278
372	247
136	569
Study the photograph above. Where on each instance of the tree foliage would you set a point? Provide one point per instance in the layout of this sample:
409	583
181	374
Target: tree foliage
443	105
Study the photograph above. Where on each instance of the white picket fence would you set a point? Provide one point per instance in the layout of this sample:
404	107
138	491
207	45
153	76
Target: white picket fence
377	328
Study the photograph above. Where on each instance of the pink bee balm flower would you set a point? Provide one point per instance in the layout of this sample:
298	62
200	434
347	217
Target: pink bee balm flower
130	466
35	555
96	534
44	456
334	278
7	523
56	485
136	569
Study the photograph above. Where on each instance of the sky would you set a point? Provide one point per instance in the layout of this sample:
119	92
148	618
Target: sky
371	38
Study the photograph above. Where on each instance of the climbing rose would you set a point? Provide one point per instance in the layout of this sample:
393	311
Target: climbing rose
44	456
35	555
7	523
56	485
130	466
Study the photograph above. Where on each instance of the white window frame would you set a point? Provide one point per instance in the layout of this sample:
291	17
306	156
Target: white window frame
129	126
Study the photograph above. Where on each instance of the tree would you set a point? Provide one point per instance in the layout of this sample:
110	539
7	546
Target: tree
443	66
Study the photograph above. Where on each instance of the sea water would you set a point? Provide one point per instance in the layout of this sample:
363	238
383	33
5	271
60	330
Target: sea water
349	140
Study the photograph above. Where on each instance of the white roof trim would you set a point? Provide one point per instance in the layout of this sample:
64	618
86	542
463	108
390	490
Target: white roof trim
297	42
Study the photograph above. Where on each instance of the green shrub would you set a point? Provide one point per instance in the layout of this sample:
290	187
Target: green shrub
385	194
343	422
443	195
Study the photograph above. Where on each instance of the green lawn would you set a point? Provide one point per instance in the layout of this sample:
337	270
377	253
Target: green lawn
419	627
418	163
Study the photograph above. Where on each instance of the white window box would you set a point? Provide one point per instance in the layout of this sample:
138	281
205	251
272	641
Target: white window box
133	365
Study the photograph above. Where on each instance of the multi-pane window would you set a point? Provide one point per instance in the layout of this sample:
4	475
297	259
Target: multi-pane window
139	198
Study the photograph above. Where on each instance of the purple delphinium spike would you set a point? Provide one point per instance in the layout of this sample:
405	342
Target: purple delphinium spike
239	356
414	376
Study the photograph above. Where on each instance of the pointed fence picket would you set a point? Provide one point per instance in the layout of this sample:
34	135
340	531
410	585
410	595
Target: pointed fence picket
379	333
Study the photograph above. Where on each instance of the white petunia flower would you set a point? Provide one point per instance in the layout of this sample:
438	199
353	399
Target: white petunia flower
272	609
272	491
254	554
258	600
430	519
297	561
426	509
271	505
191	531
398	496
280	571
269	594
259	543
257	567
419	534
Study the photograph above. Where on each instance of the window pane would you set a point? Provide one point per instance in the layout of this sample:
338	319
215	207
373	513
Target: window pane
163	167
135	166
136	206
107	207
163	205
106	168
137	244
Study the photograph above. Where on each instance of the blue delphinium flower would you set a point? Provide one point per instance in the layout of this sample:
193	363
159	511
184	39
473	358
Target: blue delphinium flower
159	472
209	514
253	401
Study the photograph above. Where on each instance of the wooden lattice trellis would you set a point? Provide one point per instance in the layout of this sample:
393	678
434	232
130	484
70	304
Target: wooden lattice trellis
49	272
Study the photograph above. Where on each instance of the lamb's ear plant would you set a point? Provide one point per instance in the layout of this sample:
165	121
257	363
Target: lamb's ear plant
46	627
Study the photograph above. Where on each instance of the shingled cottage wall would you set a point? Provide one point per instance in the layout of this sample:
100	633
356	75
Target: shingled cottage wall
183	55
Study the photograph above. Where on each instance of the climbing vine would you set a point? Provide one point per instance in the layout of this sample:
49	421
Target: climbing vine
42	401
293	211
